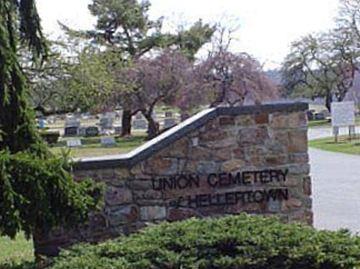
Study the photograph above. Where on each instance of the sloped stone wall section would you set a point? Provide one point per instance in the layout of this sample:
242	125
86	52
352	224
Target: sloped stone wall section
224	160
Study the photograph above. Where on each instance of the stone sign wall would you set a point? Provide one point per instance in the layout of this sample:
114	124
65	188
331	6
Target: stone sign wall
221	161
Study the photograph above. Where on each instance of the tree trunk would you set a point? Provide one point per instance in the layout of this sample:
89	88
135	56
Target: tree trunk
328	101
184	116
153	126
126	123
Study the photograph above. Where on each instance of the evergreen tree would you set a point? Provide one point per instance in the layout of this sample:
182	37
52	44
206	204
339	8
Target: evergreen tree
36	191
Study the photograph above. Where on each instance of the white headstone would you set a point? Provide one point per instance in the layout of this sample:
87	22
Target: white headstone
169	122
110	115
106	123
140	124
73	143
343	114
72	122
139	116
117	129
108	141
82	131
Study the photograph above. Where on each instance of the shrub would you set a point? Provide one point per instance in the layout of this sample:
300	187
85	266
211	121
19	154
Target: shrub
37	194
231	242
50	137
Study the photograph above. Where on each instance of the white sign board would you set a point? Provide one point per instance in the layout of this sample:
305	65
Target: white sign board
73	143
108	141
343	114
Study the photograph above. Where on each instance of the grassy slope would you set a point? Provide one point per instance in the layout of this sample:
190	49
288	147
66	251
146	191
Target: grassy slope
92	147
318	123
327	123
343	146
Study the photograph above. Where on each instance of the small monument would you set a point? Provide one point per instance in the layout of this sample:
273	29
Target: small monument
139	123
106	122
117	129
92	131
169	120
71	131
73	143
108	141
72	126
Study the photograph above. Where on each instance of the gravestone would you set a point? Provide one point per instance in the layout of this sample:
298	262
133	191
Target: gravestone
110	115
108	141
319	116
51	119
91	131
73	143
169	122
106	122
72	126
42	123
117	129
72	122
139	116
71	131
82	131
139	123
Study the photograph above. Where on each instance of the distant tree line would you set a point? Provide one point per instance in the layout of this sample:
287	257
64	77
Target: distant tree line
325	64
129	60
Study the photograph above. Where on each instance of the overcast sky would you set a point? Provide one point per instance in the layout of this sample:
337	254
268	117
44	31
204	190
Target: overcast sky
267	27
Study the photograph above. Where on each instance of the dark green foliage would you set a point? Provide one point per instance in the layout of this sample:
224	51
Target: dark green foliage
39	194
30	29
23	265
242	241
125	24
191	41
15	119
36	191
51	137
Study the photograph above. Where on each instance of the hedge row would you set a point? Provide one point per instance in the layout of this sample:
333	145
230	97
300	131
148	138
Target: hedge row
241	241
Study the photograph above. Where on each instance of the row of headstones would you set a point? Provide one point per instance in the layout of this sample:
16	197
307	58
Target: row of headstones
73	126
141	123
105	141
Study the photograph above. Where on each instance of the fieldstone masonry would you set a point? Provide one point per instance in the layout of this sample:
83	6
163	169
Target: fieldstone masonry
222	161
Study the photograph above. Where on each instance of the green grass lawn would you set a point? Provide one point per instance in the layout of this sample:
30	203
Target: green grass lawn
327	123
316	123
344	145
17	252
92	147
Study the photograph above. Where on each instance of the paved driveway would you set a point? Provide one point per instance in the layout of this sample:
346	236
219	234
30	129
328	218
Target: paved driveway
336	190
336	187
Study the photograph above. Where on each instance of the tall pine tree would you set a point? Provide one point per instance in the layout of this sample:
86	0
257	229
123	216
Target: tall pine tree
36	191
